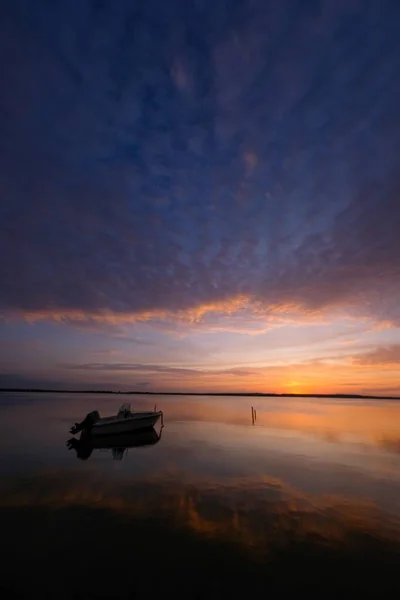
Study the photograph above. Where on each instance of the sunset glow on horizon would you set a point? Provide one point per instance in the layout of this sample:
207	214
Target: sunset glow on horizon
224	349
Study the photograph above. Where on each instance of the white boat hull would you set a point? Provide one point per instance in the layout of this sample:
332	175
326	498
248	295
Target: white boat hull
115	425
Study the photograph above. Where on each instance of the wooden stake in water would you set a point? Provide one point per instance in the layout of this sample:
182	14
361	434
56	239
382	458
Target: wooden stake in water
155	408
252	415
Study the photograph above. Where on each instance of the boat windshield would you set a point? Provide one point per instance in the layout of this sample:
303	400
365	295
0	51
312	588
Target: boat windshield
125	410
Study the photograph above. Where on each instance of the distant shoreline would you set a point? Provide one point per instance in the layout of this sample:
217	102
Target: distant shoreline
234	394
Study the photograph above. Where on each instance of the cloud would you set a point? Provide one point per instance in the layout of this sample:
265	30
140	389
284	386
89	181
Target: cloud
240	372
389	355
16	380
240	314
149	170
142	384
157	369
142	368
105	352
13	380
390	444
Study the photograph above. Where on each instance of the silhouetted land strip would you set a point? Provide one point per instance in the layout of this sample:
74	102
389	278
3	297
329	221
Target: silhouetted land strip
236	394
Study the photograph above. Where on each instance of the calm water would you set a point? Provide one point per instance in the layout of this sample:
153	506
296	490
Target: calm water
308	500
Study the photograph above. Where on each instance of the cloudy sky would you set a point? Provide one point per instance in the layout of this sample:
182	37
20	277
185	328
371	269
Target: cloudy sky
200	195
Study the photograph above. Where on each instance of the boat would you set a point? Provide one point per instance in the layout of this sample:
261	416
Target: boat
118	443
124	421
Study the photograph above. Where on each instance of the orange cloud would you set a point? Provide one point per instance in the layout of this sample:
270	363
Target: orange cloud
190	315
241	306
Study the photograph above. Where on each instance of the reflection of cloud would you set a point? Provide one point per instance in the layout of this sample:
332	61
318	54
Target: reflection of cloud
262	513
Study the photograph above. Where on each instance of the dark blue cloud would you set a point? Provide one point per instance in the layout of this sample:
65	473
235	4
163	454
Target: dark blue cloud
164	154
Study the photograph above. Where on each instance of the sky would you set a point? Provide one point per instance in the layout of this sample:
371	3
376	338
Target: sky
200	196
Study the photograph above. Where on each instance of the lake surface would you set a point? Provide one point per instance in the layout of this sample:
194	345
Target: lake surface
306	500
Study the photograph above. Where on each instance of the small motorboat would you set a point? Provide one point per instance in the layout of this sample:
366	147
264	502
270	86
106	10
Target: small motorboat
118	444
124	421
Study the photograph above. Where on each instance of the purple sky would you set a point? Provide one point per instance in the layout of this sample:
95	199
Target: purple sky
200	195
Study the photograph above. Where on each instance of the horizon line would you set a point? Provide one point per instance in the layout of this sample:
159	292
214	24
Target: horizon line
240	394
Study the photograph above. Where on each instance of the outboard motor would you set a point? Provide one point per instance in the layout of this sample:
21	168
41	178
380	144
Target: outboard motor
87	422
82	446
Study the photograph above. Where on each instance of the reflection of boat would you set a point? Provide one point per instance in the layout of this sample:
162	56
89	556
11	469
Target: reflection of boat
124	422
118	443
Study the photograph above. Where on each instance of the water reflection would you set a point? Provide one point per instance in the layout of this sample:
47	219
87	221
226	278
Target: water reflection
117	444
304	500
